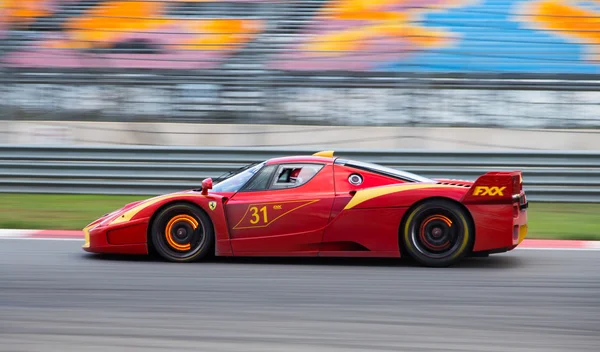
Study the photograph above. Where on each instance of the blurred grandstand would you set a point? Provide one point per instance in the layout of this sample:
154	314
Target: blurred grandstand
494	63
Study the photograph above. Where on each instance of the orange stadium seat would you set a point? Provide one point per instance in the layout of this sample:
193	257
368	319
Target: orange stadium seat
104	24
568	20
24	12
219	34
114	21
137	34
360	34
359	22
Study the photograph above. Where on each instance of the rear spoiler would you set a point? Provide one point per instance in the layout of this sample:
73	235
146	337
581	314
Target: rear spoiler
497	187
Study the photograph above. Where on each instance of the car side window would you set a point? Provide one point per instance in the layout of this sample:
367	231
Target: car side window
260	182
294	175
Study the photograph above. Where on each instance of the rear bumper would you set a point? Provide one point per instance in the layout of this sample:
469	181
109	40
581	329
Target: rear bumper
499	227
520	228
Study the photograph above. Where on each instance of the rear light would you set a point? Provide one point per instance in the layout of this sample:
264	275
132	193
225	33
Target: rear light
516	233
521	198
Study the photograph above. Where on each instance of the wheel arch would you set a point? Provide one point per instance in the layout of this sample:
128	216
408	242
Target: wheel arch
149	243
470	219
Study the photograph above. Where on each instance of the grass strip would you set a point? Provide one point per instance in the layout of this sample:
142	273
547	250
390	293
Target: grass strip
73	212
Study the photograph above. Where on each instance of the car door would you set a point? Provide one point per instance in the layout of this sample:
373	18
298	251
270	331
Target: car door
283	210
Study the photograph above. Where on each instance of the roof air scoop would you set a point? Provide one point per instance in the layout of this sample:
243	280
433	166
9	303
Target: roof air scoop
325	153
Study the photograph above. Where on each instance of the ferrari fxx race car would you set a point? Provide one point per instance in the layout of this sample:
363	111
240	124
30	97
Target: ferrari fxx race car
322	205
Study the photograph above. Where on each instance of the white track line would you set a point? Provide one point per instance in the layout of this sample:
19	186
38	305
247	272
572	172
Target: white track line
555	249
7	234
592	247
42	239
28	235
14	233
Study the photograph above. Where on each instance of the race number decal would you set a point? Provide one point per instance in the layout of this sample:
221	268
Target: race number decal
264	214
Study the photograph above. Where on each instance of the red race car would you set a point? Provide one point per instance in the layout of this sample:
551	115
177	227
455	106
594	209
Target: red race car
322	205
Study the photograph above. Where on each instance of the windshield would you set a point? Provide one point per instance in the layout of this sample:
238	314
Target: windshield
235	182
388	171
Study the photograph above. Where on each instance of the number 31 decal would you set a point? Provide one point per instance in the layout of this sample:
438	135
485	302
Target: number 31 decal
264	214
255	218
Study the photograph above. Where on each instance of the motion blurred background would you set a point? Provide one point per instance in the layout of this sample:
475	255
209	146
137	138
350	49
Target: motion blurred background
105	102
495	74
479	85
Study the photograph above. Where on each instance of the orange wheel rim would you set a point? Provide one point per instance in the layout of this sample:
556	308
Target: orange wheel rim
169	231
438	217
422	236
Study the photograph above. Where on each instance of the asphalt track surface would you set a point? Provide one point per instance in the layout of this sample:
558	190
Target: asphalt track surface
54	297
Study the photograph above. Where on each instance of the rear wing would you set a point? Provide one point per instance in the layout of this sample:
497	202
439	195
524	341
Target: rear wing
497	187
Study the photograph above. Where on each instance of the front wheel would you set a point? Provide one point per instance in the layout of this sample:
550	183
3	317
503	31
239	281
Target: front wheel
182	233
437	233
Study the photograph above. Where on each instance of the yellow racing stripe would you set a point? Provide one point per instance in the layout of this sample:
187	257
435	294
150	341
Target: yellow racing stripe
129	214
86	234
368	194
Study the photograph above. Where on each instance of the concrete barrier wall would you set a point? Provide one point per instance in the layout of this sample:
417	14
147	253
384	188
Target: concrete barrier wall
242	102
246	135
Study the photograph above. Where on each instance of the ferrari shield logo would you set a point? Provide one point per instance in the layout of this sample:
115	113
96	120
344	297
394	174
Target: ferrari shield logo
212	205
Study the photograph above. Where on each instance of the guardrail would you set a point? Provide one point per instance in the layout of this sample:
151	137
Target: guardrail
568	176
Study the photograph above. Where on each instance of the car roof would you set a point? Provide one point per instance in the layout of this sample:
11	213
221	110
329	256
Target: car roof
326	157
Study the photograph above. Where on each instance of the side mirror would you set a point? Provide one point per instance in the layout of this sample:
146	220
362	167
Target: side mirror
206	185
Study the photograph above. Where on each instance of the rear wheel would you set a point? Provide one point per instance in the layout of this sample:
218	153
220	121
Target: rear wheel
182	233
438	233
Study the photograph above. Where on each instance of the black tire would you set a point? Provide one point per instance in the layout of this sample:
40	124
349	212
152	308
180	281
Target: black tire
182	232
437	233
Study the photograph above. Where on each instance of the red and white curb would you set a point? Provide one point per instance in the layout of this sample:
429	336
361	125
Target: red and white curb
65	235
